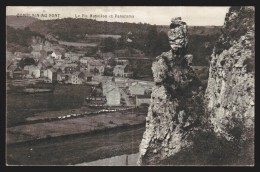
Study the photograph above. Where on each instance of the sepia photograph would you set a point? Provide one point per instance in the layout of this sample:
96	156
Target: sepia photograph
130	86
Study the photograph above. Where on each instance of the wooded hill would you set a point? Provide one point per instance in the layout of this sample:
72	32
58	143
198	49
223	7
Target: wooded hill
151	39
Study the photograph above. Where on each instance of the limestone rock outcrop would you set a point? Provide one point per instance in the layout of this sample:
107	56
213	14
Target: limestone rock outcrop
230	94
176	108
181	118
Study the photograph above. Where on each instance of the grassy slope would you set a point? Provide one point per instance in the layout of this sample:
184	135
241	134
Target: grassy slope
19	22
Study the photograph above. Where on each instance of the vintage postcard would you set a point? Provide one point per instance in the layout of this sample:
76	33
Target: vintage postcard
130	85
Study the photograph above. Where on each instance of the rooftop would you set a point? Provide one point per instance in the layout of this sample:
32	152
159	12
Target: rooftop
120	67
95	63
143	96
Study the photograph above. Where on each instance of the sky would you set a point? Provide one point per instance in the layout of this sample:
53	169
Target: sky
193	16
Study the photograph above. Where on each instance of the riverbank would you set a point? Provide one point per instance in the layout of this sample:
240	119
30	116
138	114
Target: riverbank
77	149
85	124
38	133
122	160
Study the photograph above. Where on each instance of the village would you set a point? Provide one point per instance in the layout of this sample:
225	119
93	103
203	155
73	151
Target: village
59	93
86	70
65	92
88	86
109	75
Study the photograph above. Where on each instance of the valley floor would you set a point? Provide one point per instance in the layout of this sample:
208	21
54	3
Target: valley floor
77	149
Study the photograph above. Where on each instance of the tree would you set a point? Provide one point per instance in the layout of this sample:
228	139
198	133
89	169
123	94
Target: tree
109	44
163	42
26	62
121	42
156	43
112	62
150	40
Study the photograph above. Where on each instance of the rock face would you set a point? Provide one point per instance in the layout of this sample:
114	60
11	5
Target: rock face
176	108
230	94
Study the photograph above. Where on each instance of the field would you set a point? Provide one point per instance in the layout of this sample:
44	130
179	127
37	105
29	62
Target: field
77	44
81	125
103	36
21	106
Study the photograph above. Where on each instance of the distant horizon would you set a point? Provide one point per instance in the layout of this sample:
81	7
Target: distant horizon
117	21
193	16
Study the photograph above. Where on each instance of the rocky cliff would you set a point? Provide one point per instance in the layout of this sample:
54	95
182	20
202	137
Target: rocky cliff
230	94
178	130
176	108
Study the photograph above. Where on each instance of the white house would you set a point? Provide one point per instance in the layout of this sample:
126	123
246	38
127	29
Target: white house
113	97
94	65
36	55
33	71
106	85
112	93
129	40
56	55
137	89
77	77
74	57
74	79
52	75
60	62
142	99
101	70
44	73
85	60
122	71
122	61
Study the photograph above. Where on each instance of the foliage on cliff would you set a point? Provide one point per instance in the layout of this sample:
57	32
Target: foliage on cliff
20	39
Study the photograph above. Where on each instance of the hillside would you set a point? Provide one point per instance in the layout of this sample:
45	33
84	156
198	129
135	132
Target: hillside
201	39
201	46
70	29
23	40
196	30
19	22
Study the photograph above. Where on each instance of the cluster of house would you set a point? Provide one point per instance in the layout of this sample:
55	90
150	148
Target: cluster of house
122	69
68	68
135	93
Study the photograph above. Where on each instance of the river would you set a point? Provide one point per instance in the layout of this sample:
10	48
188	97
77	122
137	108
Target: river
122	160
70	150
109	146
